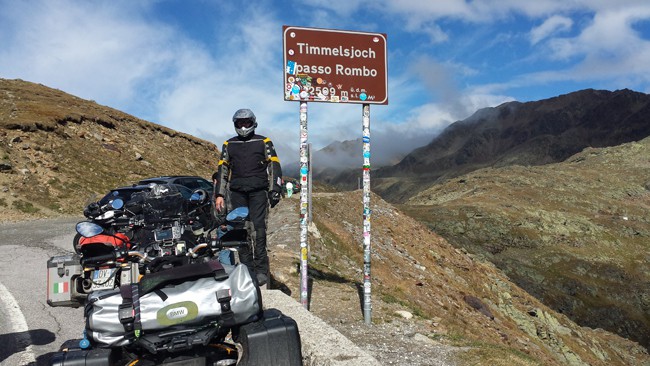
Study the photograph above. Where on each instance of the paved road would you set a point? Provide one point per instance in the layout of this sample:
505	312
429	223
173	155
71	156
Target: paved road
30	330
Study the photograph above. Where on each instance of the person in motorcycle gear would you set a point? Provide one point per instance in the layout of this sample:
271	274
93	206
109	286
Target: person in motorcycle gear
249	170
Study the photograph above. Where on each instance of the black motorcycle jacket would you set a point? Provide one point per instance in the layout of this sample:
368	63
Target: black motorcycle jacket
249	164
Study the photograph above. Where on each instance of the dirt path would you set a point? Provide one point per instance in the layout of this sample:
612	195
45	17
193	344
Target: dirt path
392	338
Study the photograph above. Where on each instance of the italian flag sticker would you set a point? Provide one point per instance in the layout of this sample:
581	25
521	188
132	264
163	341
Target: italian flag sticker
60	287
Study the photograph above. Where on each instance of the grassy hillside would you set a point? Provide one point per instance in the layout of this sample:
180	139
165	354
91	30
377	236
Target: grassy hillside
466	300
57	151
575	234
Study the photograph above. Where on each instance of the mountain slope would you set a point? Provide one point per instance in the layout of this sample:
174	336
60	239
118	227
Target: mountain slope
57	150
574	234
462	299
533	133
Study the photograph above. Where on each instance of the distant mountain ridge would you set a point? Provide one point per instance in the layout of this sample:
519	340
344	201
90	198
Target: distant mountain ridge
514	133
342	156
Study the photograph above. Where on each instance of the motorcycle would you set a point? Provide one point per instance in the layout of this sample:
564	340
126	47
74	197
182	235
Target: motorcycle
153	224
170	316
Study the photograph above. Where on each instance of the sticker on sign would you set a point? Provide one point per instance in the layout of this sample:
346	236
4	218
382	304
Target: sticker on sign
335	66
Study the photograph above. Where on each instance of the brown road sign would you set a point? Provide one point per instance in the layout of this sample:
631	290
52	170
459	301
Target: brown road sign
335	66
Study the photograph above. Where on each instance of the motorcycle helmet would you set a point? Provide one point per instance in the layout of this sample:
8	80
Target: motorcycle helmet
245	123
199	196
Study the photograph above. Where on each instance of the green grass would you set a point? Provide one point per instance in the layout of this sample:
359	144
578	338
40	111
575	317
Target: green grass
483	353
399	299
495	355
329	240
26	207
390	299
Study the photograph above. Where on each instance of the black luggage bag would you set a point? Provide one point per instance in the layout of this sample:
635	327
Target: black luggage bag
273	340
71	355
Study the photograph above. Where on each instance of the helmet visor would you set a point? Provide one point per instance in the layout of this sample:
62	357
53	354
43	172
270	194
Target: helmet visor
244	123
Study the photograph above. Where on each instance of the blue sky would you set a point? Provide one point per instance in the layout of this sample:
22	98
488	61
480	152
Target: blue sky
189	65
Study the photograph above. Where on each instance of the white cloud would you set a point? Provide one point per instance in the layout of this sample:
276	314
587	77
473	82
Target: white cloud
204	95
81	49
607	49
611	33
433	31
340	8
552	25
423	11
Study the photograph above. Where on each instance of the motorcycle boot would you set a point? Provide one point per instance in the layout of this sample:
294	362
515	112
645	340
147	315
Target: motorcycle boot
257	258
261	257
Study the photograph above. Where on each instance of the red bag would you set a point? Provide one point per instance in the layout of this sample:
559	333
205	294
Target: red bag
118	240
103	244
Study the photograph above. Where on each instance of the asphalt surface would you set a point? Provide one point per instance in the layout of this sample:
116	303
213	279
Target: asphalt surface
31	330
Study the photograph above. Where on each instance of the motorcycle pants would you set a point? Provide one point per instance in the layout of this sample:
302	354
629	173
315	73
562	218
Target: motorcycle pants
257	202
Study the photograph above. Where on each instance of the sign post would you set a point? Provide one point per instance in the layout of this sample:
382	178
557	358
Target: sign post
334	66
304	213
367	305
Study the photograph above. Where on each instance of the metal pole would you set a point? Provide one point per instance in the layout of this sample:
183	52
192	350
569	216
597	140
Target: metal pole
367	305
309	206
309	179
304	203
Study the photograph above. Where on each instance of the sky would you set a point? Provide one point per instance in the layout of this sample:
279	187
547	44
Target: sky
189	65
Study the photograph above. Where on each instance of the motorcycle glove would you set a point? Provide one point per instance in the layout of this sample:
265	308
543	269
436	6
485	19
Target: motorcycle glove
274	198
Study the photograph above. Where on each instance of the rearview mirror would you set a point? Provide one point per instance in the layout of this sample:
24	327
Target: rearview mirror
89	229
239	213
117	203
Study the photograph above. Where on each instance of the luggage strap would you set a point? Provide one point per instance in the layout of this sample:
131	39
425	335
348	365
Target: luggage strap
227	315
177	275
129	309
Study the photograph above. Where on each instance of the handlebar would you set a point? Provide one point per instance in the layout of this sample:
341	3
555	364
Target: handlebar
230	243
112	257
192	251
98	259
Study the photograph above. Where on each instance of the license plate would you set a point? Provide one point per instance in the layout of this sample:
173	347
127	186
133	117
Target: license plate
103	279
